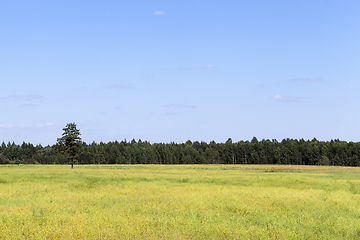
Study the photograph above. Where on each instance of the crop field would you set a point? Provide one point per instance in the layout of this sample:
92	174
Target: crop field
179	202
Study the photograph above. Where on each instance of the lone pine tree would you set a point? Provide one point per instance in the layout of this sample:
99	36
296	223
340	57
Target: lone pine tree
70	142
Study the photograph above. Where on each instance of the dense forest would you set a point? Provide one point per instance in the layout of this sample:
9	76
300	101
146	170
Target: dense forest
288	151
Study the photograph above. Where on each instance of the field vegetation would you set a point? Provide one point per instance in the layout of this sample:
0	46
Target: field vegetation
179	202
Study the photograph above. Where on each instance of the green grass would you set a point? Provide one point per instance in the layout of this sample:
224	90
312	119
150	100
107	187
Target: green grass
179	202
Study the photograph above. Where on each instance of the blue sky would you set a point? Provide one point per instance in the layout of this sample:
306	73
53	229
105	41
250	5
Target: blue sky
165	71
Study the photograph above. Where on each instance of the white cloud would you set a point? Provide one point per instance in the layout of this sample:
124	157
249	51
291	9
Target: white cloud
27	97
209	68
6	126
185	68
181	105
305	80
171	113
29	105
159	12
119	86
27	125
281	98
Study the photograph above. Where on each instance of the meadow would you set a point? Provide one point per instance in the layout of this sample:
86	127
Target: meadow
179	202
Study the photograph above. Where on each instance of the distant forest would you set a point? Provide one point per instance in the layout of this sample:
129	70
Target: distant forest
288	151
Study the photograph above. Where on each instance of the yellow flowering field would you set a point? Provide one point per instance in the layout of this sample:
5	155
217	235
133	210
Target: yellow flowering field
179	202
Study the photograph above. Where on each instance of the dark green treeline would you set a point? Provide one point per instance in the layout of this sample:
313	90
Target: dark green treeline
288	151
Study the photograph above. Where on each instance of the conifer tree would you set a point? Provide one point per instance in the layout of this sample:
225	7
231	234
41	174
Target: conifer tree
70	142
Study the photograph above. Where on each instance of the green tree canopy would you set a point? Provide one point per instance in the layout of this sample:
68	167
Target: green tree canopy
70	142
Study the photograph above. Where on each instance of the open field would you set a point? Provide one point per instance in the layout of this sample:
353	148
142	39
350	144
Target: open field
179	202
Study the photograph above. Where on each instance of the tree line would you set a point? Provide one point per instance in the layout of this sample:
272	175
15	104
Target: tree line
288	151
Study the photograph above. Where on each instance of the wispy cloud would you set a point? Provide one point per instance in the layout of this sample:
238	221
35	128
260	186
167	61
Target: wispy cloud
159	12
181	105
26	97
6	126
182	68
278	96
281	98
28	126
119	86
171	113
208	68
305	80
44	125
185	68
29	105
